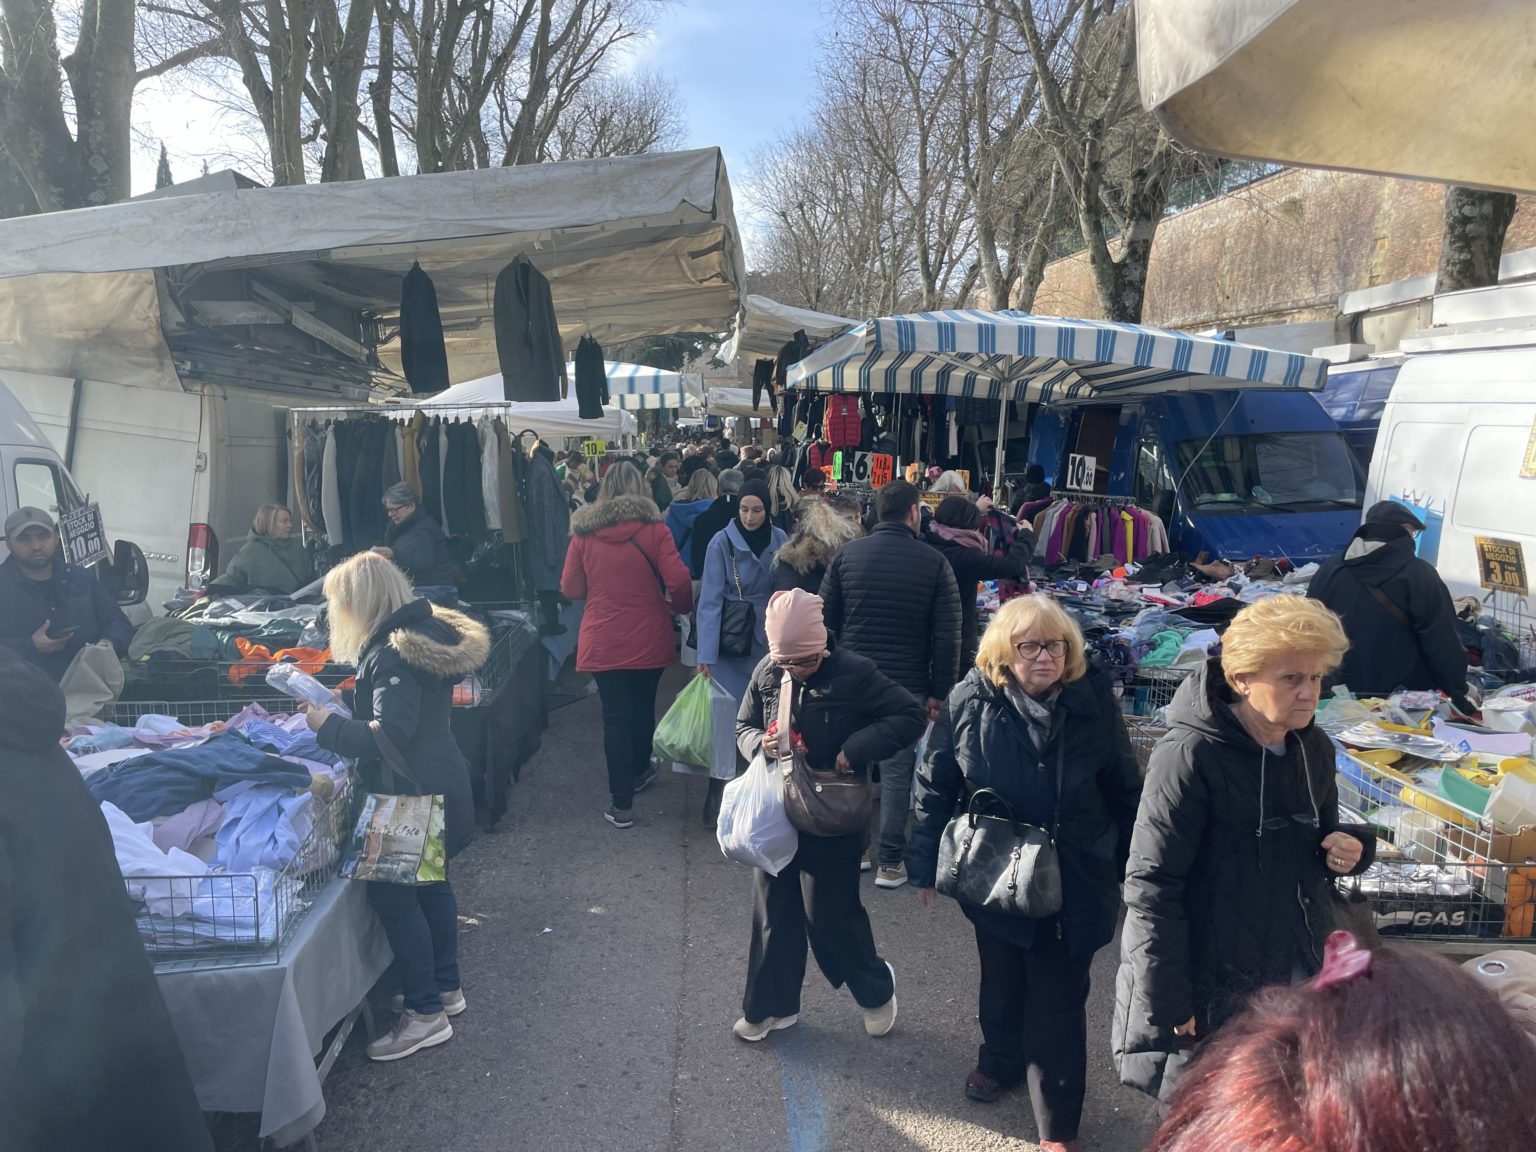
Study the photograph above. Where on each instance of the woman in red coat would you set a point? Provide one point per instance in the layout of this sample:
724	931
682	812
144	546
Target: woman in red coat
623	563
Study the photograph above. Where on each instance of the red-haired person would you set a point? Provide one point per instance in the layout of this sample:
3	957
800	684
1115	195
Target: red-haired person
1388	1051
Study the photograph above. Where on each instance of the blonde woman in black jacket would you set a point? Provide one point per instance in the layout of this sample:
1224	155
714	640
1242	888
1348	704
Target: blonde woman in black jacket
1029	710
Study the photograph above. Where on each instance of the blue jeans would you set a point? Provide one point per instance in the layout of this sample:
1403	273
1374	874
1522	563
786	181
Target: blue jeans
422	924
895	805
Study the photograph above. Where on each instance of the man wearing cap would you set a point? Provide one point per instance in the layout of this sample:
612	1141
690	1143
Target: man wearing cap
1396	610
50	610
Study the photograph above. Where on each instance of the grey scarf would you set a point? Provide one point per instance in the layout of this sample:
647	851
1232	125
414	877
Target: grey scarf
1036	713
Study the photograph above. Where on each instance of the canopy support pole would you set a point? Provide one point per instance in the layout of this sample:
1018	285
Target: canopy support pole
1002	450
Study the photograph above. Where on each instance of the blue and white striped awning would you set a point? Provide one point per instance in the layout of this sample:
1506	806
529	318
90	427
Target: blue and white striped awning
635	386
1045	359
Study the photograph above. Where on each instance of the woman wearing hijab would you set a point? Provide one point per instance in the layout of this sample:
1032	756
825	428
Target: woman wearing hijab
847	715
738	567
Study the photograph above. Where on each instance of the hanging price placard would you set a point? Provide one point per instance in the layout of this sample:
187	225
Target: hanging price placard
85	540
861	472
1501	565
595	448
881	468
1081	473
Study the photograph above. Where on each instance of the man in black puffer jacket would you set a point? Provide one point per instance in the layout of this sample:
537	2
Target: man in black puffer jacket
1396	611
893	599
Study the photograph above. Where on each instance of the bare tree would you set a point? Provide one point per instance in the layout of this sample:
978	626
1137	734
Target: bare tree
619	116
1475	223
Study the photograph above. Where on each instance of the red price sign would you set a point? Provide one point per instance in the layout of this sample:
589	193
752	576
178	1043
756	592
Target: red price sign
881	468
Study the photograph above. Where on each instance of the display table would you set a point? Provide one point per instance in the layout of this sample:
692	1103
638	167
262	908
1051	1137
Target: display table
251	1035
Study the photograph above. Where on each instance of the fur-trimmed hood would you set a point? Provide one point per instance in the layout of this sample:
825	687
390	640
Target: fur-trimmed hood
804	553
438	640
595	517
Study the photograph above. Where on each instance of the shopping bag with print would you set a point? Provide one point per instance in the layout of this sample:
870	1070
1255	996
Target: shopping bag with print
398	838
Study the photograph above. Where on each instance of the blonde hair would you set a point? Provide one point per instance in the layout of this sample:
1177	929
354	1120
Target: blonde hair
265	517
1280	626
622	479
823	523
1017	619
950	481
362	592
702	485
781	487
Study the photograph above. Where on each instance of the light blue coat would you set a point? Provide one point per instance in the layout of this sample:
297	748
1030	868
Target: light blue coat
719	585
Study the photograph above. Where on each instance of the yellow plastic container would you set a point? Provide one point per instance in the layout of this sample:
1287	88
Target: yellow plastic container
1436	807
1521	766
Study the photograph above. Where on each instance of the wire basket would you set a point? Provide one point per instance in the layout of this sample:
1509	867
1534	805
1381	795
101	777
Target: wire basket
1144	735
240	919
1438	877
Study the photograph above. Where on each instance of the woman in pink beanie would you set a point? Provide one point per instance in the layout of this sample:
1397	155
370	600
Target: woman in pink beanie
846	715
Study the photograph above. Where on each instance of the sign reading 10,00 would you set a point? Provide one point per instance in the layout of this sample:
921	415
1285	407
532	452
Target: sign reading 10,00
1081	472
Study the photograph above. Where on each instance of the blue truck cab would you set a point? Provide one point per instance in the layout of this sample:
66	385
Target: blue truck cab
1356	397
1232	473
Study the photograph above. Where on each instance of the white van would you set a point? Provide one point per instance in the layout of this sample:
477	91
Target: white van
179	469
32	474
1457	444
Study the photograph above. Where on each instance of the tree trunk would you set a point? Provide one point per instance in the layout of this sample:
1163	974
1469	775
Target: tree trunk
1475	223
288	26
343	159
381	91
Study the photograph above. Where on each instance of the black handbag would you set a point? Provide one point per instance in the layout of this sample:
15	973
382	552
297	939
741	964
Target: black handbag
998	862
818	803
738	619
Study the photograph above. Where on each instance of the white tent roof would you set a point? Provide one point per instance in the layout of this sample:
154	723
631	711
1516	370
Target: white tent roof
1436	89
632	246
765	326
636	386
736	402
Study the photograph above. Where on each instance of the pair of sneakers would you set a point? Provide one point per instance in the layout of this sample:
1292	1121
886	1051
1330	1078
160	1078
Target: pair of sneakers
877	1021
414	1031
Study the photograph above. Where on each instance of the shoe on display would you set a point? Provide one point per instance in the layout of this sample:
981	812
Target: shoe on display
620	817
891	877
744	1029
412	1032
453	1002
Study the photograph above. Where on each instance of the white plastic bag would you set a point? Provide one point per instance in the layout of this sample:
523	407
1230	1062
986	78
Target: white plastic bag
753	828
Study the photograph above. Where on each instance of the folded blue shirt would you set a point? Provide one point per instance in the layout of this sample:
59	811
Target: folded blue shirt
163	783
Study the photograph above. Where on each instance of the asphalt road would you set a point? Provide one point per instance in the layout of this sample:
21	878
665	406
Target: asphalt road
603	970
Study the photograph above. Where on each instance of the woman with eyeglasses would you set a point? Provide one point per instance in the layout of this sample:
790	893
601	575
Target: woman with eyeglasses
1230	885
846	715
1035	725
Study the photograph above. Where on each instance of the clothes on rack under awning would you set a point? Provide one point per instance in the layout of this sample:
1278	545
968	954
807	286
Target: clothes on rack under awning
1068	529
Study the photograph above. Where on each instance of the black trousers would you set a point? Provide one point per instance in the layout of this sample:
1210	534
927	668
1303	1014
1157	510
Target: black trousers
815	896
1034	1026
629	727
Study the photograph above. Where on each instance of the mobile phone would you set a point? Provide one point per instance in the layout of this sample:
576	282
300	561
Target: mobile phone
63	633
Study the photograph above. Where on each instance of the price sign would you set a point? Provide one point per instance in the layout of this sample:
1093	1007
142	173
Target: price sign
84	538
1081	472
837	467
595	448
1501	565
881	469
800	430
861	467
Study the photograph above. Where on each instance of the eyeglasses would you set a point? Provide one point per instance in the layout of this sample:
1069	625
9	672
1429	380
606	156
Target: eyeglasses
1029	649
803	662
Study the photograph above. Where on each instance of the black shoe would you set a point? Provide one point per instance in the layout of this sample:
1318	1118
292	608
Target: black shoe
620	817
982	1088
647	778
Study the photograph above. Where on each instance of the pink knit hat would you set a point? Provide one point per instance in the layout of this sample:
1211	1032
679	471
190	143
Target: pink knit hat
794	625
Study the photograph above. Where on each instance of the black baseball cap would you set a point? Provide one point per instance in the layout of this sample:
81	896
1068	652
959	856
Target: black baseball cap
1391	512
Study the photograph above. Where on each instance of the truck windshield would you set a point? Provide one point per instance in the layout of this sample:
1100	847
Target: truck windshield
1277	471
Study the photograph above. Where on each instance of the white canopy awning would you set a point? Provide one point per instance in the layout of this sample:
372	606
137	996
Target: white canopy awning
1433	89
736	402
637	386
765	326
633	246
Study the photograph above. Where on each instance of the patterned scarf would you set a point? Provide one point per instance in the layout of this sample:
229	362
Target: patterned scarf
1036	713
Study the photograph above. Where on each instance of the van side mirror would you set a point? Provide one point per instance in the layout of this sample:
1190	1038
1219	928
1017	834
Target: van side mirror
130	574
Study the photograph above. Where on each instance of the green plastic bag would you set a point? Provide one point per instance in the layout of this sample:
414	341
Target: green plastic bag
686	732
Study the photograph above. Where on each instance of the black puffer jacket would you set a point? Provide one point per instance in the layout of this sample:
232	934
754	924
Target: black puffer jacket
981	741
973	565
420	550
892	598
1384	653
88	1057
1227	889
405	679
846	706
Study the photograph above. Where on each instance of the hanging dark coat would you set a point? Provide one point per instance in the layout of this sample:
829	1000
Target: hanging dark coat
591	379
528	341
88	1057
549	522
423	355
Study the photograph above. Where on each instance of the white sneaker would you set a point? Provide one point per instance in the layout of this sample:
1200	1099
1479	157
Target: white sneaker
891	877
879	1021
866	865
744	1029
412	1032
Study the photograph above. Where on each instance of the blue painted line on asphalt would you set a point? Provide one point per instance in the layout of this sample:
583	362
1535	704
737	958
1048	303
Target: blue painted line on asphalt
805	1117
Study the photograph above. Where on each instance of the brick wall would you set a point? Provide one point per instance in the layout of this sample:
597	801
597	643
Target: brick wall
1280	251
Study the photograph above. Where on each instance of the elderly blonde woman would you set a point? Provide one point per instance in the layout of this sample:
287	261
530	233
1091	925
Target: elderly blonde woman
409	653
1230	882
1035	725
273	559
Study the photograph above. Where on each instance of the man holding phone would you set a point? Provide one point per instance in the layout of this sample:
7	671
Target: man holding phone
49	609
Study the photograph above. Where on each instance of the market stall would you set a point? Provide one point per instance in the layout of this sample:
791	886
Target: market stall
635	387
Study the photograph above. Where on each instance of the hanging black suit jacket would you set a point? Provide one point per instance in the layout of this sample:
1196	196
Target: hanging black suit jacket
527	336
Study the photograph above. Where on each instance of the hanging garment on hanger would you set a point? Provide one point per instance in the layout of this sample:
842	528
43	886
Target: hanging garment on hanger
528	344
762	381
440	509
796	349
423	355
389	473
591	379
842	421
463	500
490	472
330	491
411	449
514	521
549	522
314	474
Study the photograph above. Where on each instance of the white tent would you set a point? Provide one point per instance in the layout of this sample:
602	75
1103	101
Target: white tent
736	402
765	326
637	386
301	286
1432	89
